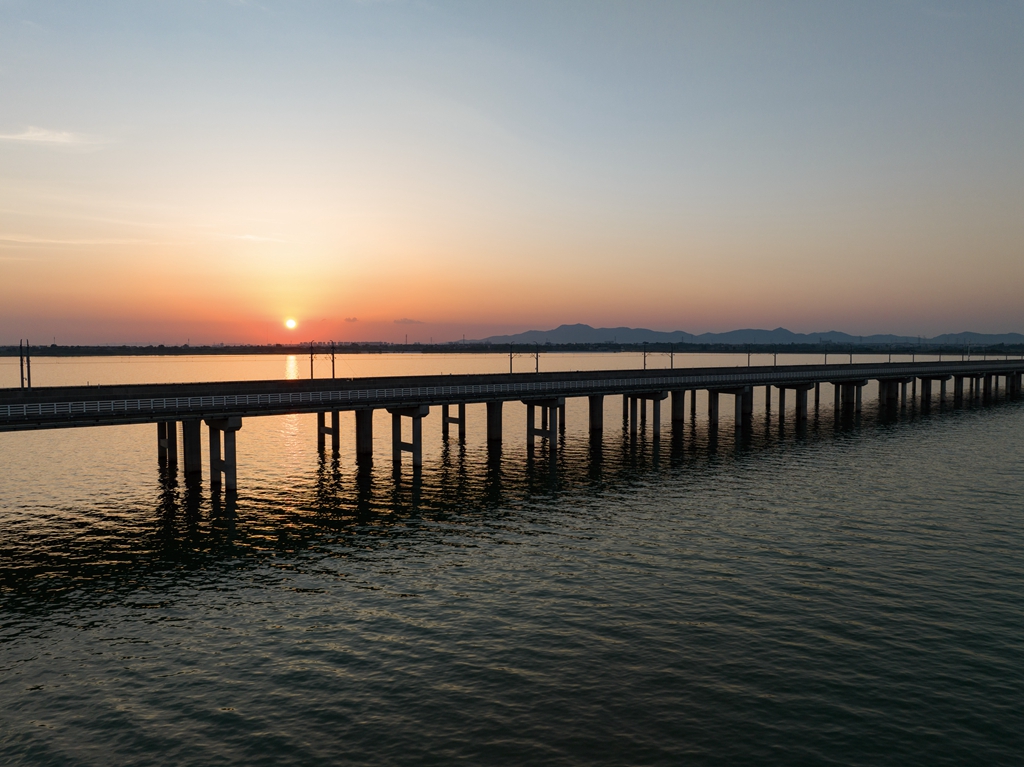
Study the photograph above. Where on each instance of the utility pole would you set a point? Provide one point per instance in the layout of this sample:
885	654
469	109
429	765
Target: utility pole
645	355
21	364
672	357
28	364
510	358
536	355
311	360
332	359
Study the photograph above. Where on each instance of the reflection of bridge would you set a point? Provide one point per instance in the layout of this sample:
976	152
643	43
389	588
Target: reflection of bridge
224	405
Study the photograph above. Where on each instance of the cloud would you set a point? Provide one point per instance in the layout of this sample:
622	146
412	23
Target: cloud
351	319
26	239
255	238
407	321
33	135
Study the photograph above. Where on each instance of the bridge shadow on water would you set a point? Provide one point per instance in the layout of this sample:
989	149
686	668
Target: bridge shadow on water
186	528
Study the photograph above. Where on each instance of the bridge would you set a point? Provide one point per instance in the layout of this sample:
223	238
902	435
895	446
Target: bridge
223	405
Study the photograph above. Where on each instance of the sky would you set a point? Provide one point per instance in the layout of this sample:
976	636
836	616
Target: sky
200	172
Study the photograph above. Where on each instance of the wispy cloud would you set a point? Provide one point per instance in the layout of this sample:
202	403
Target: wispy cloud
33	135
27	239
407	321
351	319
255	238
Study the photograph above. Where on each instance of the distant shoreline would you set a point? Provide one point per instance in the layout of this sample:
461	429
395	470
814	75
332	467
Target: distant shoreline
517	348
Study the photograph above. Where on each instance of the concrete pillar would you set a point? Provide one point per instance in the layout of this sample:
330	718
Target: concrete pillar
712	409
223	462
530	427
738	410
460	420
597	413
926	393
748	404
768	398
987	393
903	394
942	391
561	418
883	394
494	422
216	467
364	437
801	405
161	441
837	391
678	406
782	404
191	434
642	404
230	462
817	396
321	428
632	417
625	408
913	390
416	415
859	396
462	425
693	406
335	431
958	390
656	416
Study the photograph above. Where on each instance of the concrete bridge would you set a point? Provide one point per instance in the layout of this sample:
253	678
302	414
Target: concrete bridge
224	405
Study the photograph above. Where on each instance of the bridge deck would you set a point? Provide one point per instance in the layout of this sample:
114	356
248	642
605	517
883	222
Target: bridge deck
65	407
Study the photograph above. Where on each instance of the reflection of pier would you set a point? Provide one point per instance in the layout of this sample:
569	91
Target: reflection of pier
223	405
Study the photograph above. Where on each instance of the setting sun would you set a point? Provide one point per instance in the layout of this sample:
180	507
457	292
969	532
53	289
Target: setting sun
290	324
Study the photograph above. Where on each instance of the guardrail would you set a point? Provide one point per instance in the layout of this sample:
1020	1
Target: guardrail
276	402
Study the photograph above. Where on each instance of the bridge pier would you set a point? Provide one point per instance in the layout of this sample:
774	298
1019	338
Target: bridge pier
768	398
192	451
549	431
958	391
987	391
597	414
817	396
743	406
782	404
322	430
801	404
678	406
712	410
494	423
446	419
364	437
942	391
223	463
693	406
167	442
633	418
926	394
416	414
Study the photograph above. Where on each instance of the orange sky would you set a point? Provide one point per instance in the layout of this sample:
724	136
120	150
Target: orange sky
475	174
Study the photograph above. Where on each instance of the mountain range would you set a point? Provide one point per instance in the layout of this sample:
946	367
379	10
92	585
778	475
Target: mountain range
585	334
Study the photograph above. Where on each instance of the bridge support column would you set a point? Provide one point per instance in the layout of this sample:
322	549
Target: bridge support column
561	418
817	396
656	417
768	398
926	393
942	392
903	395
447	418
958	391
625	408
693	406
167	442
494	423
364	437
678	406
913	390
191	434
416	414
633	417
859	397
550	430
987	392
837	393
223	463
738	408
801	405
712	410
597	414
782	404
322	430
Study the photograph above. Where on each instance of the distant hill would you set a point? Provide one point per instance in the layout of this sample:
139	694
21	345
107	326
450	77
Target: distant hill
584	334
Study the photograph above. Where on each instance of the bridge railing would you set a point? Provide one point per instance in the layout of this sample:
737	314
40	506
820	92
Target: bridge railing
274	401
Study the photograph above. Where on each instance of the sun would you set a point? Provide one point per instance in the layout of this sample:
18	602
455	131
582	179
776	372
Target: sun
290	324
